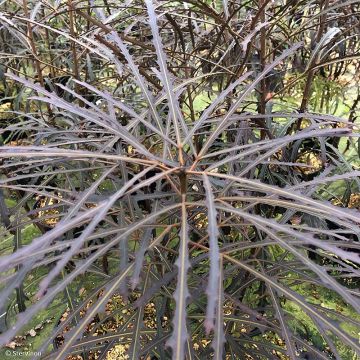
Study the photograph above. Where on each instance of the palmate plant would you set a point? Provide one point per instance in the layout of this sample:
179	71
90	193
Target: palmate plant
219	219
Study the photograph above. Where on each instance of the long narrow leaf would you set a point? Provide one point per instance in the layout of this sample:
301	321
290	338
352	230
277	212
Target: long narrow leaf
214	255
180	335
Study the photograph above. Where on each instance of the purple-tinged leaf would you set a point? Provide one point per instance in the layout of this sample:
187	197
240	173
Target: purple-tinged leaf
25	317
139	79
291	351
214	255
247	39
210	109
223	124
265	224
310	309
176	115
219	336
78	242
138	323
139	256
180	335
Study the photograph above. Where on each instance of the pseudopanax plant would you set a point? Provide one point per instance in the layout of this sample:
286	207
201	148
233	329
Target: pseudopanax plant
155	166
